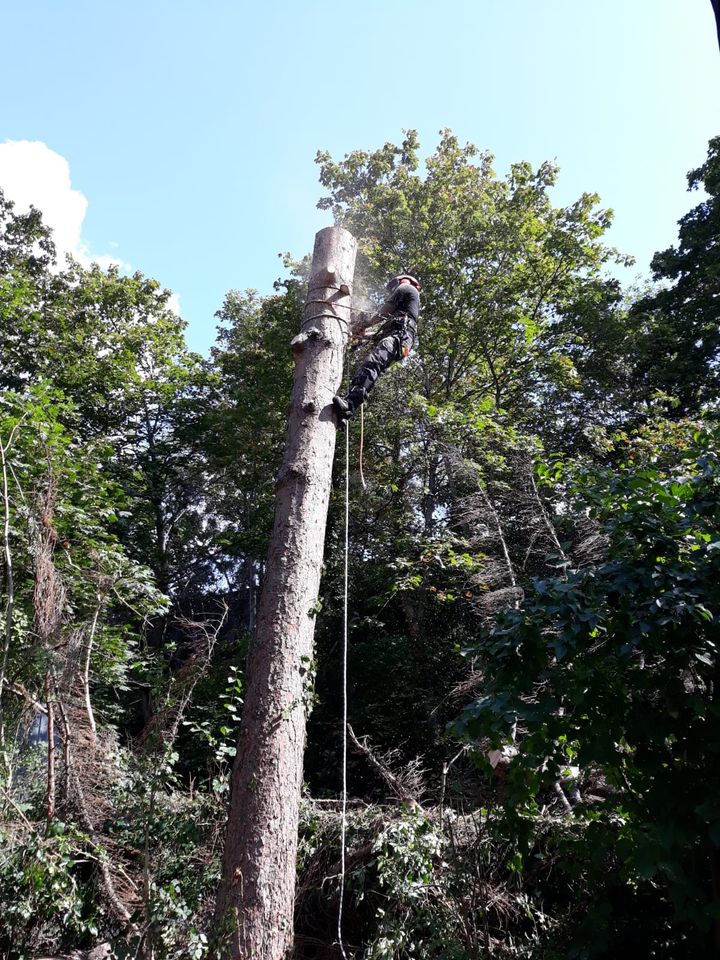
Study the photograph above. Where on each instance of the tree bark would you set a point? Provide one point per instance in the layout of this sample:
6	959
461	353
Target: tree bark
254	916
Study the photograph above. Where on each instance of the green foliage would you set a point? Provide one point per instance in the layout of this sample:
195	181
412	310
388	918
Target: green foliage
59	490
569	601
46	902
176	835
678	333
212	725
612	667
407	855
505	273
506	276
114	350
245	428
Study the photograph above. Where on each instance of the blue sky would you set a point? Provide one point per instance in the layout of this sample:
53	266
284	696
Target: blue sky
191	129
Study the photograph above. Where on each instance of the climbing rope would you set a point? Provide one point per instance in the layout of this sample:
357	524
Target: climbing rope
362	446
345	327
333	305
343	820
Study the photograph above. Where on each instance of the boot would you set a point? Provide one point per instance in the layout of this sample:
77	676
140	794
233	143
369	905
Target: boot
346	407
342	408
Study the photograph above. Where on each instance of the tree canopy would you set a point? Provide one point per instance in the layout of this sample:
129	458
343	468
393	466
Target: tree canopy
533	566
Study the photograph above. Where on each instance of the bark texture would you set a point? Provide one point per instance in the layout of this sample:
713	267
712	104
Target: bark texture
255	902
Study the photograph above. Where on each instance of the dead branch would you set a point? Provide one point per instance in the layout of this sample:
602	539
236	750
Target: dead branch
163	726
352	859
15	807
396	786
117	907
20	691
564	802
87	653
48	590
550	526
445	770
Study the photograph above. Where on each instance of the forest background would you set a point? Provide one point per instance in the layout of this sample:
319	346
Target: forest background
534	567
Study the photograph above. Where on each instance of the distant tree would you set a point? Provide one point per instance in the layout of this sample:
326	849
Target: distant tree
612	666
677	327
505	272
243	428
113	347
520	335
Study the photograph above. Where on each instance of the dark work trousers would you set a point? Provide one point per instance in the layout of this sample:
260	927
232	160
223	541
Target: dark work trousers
386	352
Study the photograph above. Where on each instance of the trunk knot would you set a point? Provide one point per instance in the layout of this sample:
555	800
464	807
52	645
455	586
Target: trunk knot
299	342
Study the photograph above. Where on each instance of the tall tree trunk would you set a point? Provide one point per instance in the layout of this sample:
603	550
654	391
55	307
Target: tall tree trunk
254	916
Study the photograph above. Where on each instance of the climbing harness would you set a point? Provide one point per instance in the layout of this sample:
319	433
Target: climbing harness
395	326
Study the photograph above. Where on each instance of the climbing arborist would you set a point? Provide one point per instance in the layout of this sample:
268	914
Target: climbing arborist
394	340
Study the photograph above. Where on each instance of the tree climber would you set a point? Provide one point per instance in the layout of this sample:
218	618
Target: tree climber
393	340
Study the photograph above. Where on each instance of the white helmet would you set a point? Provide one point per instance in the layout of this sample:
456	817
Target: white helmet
395	282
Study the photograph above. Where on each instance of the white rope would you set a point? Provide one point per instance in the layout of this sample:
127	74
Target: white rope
362	445
343	821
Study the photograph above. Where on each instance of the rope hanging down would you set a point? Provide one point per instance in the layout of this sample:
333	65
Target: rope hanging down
362	446
343	821
343	816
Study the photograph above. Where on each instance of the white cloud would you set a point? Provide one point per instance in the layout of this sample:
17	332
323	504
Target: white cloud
32	173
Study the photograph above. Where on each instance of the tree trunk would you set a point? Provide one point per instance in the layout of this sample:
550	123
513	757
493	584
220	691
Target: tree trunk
254	917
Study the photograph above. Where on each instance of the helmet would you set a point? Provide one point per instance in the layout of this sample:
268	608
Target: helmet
395	282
